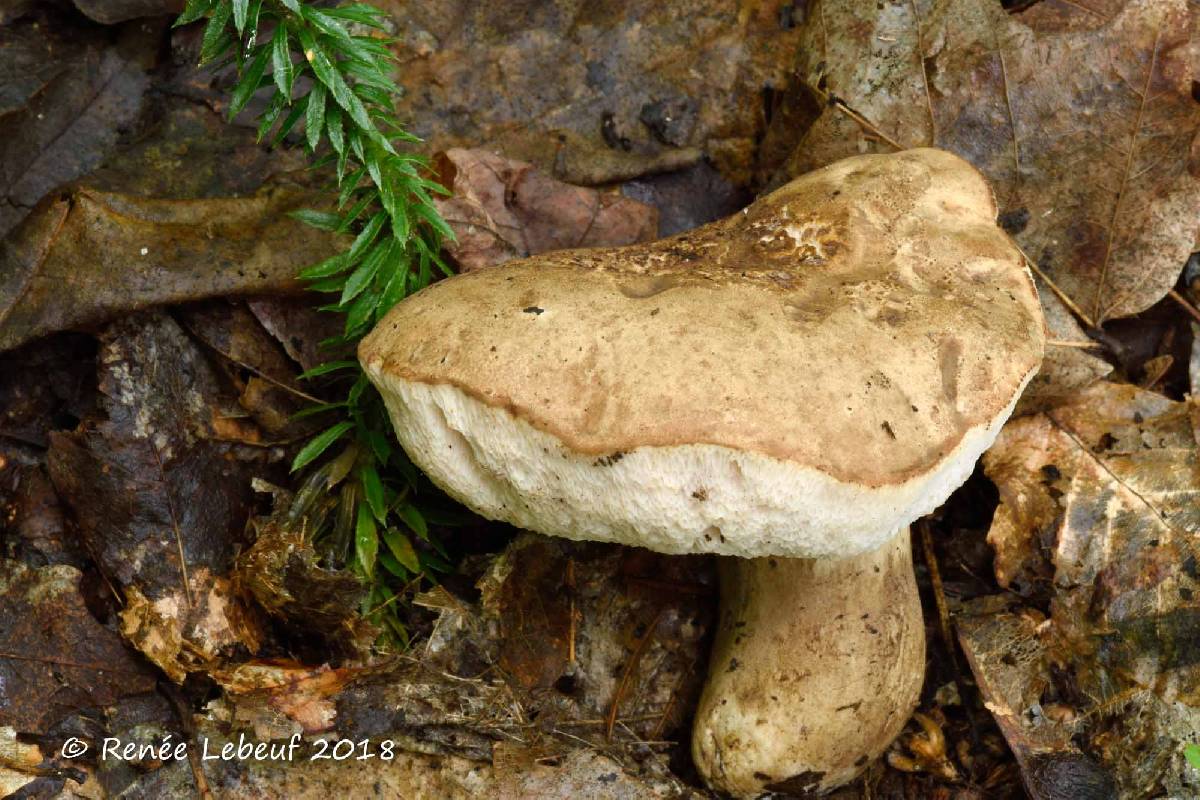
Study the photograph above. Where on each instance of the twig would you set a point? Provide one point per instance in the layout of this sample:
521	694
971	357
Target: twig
1059	293
943	610
572	623
1181	300
833	100
627	673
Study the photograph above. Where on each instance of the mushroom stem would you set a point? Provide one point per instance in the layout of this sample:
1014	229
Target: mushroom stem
817	665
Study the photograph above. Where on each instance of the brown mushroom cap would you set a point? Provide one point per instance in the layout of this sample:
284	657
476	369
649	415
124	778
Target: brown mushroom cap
801	379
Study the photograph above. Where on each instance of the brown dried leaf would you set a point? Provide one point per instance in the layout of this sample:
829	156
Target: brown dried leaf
55	658
503	209
1012	669
279	698
300	328
1086	130
143	252
1065	368
18	762
280	570
1098	504
257	366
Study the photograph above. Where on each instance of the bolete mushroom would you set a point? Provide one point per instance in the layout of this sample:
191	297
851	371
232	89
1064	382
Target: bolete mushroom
790	387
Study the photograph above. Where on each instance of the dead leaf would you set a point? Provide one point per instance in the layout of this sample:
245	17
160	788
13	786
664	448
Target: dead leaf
1098	504
300	328
503	209
191	209
635	645
37	528
18	762
55	658
278	698
258	368
688	198
66	94
109	12
281	571
160	503
145	252
45	385
585	92
1065	367
1012	668
1085	128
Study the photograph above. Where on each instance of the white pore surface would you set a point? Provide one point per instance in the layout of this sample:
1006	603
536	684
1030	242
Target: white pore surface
696	498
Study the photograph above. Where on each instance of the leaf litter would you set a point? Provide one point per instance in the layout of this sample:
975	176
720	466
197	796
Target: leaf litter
568	668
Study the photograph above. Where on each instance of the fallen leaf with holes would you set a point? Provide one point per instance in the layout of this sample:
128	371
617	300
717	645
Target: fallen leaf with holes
503	209
1083	119
160	502
55	658
1100	511
1013	670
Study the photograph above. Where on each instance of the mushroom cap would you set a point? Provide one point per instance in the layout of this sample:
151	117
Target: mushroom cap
802	379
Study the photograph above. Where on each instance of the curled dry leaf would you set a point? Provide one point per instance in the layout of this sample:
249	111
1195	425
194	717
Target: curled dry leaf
1098	509
503	209
160	503
278	699
594	93
55	658
1084	120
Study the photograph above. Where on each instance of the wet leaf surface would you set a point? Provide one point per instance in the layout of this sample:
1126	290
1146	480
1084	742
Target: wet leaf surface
66	95
259	370
160	502
55	658
1035	101
300	328
638	87
503	209
108	12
